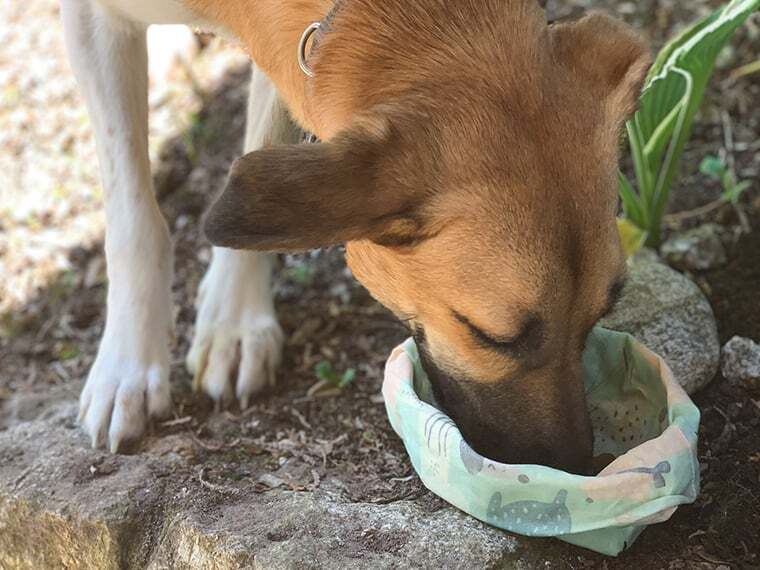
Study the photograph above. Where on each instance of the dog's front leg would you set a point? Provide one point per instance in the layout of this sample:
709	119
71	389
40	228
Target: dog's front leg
238	340
129	378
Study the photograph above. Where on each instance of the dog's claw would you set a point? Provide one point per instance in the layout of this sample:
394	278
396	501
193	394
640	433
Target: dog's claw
197	365
236	363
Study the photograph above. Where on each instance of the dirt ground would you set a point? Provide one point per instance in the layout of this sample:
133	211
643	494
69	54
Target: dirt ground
53	287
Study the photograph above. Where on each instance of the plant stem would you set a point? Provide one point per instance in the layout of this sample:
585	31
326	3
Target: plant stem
695	213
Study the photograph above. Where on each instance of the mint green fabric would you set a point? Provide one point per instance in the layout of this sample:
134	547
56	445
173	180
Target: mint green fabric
640	414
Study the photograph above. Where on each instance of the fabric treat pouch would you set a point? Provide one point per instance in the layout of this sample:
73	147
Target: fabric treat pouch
640	415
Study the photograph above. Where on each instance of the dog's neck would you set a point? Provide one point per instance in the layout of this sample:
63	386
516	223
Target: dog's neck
374	52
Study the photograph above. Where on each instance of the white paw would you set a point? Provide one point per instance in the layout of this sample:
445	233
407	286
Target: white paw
124	390
229	353
237	345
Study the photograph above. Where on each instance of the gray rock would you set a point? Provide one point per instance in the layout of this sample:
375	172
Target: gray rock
740	362
63	505
699	249
669	314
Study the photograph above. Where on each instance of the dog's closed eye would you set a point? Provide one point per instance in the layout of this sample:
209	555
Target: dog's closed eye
529	338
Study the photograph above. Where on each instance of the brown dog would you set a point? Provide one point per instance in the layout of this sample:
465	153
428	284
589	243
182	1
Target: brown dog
471	169
469	164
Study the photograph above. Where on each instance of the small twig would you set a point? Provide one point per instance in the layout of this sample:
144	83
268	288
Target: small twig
301	418
706	558
744	70
62	372
695	213
401	479
410	495
743	219
302	400
311	392
177	422
204	445
723	414
728	136
214	487
728	131
329	393
251	410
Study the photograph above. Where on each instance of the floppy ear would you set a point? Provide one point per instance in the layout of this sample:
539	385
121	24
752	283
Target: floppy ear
297	197
608	55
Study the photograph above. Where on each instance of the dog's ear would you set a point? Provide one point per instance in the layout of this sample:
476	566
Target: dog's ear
298	197
610	57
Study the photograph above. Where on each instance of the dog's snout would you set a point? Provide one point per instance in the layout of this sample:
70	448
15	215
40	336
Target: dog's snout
539	418
515	431
568	451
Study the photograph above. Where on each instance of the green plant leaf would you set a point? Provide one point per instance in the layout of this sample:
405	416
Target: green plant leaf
712	166
324	371
676	94
742	186
674	90
327	373
632	209
347	378
631	235
733	193
662	134
302	274
643	175
684	36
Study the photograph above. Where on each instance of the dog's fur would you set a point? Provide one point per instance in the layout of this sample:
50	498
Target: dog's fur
469	165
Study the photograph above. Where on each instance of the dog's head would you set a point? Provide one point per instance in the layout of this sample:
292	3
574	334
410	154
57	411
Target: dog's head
482	211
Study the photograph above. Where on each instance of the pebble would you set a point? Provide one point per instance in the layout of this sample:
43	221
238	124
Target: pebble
700	249
740	362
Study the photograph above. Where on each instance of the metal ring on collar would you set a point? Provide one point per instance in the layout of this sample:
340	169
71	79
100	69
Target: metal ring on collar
308	32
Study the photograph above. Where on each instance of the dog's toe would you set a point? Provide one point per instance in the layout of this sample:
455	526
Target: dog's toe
261	350
120	396
243	357
222	360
